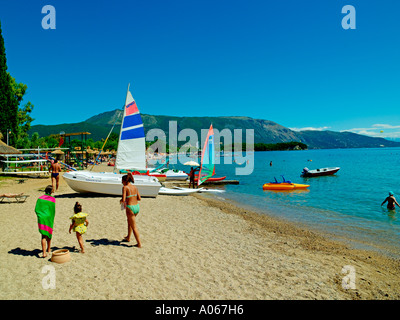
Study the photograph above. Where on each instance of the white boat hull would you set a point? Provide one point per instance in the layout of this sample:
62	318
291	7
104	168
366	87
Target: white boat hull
172	175
202	190
109	183
178	192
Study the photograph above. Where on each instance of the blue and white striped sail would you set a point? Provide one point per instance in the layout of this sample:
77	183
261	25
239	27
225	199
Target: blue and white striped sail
131	153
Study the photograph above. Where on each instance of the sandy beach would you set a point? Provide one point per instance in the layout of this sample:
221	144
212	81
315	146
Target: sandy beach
194	247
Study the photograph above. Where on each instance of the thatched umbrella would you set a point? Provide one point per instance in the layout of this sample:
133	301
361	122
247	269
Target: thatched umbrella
6	149
57	151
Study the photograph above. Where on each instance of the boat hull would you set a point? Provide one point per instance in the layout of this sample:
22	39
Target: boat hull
320	172
212	179
109	183
160	177
284	186
173	175
202	190
178	191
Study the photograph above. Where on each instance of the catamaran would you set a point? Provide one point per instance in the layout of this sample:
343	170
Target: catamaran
131	155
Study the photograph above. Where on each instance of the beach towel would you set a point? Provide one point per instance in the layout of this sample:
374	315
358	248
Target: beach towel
45	210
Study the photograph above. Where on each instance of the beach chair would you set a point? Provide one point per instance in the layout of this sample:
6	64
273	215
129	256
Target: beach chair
19	197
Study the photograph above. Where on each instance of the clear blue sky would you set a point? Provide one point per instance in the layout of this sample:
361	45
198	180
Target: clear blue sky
286	61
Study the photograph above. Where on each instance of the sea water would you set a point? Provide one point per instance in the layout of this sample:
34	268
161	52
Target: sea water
345	206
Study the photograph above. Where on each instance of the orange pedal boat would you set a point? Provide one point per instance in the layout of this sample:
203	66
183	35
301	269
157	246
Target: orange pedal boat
284	186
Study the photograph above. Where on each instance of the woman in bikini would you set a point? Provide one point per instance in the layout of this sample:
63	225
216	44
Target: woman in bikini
391	200
130	197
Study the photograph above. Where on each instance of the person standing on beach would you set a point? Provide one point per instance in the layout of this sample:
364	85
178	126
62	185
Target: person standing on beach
79	224
55	170
192	175
391	200
130	198
45	210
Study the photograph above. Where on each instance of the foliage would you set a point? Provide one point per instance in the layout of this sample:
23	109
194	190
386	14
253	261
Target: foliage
17	119
23	114
8	102
293	145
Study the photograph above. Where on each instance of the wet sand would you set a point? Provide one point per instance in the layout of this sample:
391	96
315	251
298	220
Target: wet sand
194	247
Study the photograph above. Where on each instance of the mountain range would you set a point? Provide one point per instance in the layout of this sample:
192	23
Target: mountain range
265	131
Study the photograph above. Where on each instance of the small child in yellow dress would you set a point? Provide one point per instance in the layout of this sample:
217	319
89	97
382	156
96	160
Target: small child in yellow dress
79	224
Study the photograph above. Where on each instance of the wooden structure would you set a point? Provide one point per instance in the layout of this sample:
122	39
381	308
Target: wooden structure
76	157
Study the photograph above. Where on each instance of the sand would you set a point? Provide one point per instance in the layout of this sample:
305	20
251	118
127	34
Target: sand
194	247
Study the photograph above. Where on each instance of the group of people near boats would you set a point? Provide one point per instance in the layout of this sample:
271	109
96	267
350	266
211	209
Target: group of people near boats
45	210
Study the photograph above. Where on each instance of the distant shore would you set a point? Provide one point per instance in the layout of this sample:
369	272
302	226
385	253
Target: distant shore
194	247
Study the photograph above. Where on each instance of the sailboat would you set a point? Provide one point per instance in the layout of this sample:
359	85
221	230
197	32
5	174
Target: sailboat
130	155
207	165
207	169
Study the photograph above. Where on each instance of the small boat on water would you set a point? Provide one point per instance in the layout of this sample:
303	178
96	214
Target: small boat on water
319	172
284	185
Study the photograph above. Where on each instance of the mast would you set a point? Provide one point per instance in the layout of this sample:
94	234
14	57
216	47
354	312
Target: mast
122	122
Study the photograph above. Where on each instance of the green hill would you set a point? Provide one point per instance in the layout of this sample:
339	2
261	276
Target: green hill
265	131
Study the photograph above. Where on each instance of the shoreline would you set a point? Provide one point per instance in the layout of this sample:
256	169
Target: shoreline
284	227
344	238
194	248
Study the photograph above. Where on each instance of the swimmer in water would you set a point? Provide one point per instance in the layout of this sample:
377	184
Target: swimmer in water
391	200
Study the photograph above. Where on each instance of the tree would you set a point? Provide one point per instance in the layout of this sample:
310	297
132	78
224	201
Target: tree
23	113
8	102
34	139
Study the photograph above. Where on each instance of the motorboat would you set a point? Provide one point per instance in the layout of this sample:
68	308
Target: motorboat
319	172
